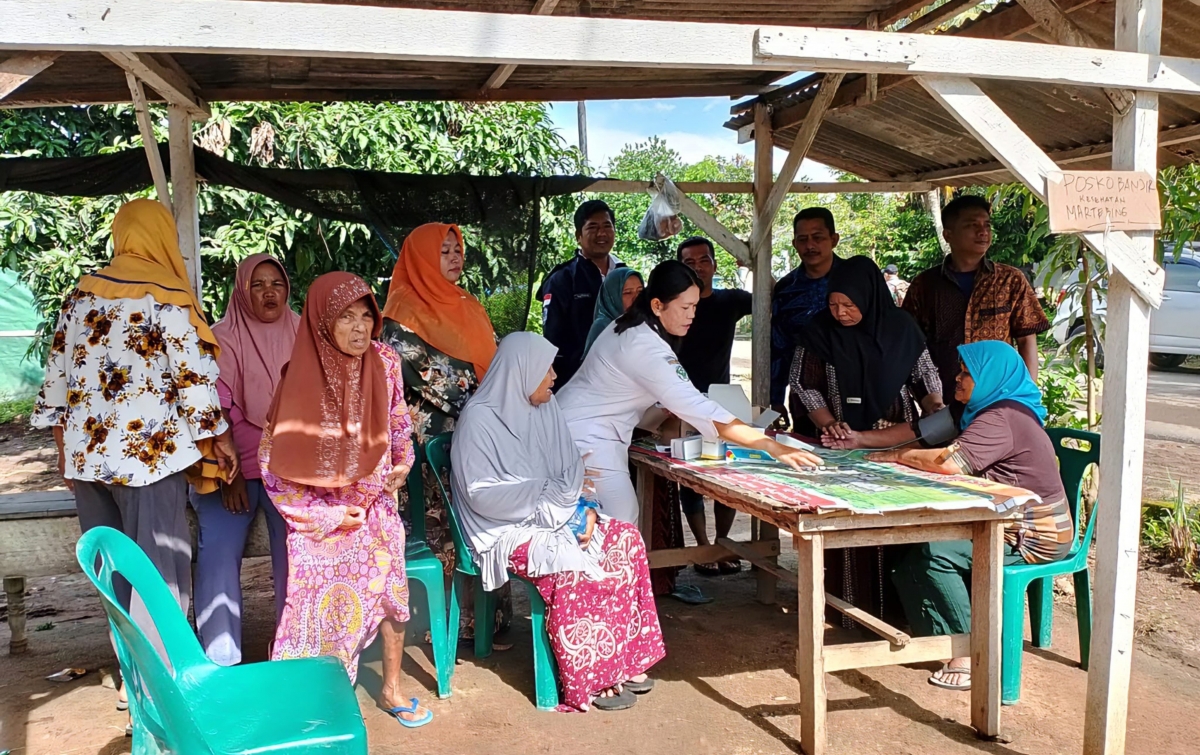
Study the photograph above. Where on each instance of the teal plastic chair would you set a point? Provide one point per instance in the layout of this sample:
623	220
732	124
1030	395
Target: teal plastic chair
190	705
1038	579
424	567
545	676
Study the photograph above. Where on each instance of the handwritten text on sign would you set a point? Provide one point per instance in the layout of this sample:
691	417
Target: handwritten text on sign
1098	200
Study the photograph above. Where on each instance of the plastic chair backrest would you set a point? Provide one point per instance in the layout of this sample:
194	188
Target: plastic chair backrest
1072	465
437	451
158	688
416	495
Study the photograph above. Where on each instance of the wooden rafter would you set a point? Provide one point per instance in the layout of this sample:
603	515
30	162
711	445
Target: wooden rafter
501	74
1166	138
1066	32
18	69
993	128
716	230
138	95
796	155
166	77
940	15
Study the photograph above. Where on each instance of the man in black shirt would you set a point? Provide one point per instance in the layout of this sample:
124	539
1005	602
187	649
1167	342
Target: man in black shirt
569	292
705	355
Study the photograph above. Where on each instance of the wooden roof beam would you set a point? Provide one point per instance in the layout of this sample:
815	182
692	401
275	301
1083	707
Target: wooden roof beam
501	74
1067	32
1007	24
255	27
940	15
21	68
984	119
800	147
1167	137
166	77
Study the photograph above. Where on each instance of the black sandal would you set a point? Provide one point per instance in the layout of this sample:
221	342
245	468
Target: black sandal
639	688
729	567
622	701
708	570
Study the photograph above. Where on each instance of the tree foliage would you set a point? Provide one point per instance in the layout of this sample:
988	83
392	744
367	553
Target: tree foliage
50	241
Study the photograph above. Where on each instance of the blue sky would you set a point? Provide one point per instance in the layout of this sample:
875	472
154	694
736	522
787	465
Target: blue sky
691	126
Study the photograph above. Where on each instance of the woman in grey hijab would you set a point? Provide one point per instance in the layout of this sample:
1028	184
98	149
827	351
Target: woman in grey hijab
520	494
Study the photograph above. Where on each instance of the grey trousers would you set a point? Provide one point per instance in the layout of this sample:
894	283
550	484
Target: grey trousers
153	516
219	569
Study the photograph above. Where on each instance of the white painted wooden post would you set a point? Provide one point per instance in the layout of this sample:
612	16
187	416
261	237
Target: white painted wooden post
1122	448
760	259
183	189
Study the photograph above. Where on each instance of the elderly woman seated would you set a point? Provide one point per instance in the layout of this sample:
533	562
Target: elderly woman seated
518	488
1002	440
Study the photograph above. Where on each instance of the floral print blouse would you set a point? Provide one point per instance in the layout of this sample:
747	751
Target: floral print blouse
436	386
132	386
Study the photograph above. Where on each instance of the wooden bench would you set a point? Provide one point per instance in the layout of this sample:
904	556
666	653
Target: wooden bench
38	532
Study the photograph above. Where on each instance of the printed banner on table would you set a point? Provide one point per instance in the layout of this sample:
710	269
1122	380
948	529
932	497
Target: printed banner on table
852	483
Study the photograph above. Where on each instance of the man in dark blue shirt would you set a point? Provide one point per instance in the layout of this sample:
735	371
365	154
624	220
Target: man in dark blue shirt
569	292
796	299
705	354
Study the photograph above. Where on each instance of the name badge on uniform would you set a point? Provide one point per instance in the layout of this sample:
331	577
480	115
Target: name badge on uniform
853	400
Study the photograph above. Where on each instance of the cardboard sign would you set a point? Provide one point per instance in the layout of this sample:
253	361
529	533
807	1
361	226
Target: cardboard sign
1100	200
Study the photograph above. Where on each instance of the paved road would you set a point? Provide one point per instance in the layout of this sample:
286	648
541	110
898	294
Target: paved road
1173	404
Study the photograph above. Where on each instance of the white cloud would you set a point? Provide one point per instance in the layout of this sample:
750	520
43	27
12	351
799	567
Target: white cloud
663	107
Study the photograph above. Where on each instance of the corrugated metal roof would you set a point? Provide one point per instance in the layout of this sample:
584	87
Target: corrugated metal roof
906	135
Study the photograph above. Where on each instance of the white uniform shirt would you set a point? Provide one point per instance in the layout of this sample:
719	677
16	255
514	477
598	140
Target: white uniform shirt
621	377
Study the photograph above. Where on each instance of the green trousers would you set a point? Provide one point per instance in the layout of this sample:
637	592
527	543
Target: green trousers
933	580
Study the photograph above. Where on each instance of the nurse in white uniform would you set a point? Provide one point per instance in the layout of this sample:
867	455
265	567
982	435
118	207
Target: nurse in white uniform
631	367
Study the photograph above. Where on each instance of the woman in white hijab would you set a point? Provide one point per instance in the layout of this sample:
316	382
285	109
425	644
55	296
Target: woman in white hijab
518	487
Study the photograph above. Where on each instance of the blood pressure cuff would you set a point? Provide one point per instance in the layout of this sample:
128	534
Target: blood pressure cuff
938	429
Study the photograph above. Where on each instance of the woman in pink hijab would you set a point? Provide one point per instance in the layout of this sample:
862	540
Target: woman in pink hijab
256	337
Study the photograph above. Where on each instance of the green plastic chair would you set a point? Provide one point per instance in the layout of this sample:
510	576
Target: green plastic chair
190	705
437	449
1038	579
423	566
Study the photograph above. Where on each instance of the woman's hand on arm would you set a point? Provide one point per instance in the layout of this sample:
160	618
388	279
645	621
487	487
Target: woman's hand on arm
586	538
396	478
932	403
741	434
886	438
353	517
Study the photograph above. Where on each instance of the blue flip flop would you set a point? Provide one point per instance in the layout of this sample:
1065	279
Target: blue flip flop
411	709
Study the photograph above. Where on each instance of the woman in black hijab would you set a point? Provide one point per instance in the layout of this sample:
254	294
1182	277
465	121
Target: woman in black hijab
862	364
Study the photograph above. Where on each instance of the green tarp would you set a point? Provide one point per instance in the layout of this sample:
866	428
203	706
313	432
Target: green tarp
19	377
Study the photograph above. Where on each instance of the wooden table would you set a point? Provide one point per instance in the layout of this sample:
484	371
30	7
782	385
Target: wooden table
812	533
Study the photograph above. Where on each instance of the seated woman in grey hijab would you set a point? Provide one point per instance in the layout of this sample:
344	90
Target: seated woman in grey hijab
519	493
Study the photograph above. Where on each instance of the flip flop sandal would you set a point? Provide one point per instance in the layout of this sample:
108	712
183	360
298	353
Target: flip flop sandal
946	669
122	705
639	688
623	701
412	708
729	567
691	595
708	570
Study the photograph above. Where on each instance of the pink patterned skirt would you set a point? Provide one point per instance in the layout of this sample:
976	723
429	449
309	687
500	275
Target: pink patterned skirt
602	632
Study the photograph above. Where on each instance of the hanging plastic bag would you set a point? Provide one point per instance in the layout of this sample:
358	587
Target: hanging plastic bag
662	220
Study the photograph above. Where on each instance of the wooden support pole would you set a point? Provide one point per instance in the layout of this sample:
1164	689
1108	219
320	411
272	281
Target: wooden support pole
142	112
21	68
987	622
1122	448
810	650
769	207
184	190
1066	32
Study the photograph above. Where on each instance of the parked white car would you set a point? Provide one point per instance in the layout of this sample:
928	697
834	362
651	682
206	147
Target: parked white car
1174	327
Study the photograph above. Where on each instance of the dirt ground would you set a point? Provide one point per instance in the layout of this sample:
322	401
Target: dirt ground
726	686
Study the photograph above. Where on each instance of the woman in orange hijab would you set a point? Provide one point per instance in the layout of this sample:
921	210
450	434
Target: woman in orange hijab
445	342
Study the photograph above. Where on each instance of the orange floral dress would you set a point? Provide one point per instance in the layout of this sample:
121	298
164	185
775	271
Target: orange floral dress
343	583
